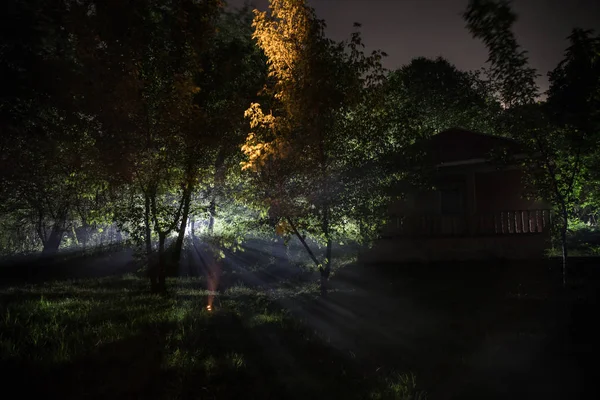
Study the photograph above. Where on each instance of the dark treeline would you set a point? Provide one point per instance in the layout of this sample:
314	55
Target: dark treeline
144	119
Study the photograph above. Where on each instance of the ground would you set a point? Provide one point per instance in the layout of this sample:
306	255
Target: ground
387	332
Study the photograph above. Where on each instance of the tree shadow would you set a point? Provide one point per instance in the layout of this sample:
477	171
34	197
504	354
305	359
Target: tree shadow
495	329
128	368
249	346
281	358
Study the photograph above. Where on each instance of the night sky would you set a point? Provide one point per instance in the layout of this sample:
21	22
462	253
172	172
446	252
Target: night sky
410	28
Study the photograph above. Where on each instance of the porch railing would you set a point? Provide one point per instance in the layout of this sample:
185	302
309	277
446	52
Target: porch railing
508	222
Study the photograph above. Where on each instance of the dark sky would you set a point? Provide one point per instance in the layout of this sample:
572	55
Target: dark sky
410	28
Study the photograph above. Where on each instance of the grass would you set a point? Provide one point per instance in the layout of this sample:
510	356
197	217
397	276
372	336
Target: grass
110	338
467	334
399	387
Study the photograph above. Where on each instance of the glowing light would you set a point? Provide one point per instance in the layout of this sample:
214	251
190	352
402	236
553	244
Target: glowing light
209	307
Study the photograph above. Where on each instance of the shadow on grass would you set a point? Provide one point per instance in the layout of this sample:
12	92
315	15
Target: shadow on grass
125	369
251	348
110	339
477	331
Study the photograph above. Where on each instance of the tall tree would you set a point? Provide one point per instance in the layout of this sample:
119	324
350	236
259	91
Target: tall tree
47	146
234	70
298	150
556	149
574	104
428	96
140	66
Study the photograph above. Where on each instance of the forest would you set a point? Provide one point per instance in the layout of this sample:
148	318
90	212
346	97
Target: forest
138	121
163	125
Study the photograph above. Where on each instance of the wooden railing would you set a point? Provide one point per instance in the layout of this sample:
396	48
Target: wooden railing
508	222
515	222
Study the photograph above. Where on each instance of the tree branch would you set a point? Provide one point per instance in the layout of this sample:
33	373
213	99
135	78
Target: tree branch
312	256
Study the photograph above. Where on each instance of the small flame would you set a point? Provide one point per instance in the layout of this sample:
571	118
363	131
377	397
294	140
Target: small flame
209	307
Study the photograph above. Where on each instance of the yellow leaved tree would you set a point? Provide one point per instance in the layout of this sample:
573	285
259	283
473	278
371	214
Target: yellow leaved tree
284	34
297	152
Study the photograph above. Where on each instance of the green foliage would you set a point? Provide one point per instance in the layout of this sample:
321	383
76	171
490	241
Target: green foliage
155	115
307	163
561	135
573	104
573	95
491	21
429	96
583	238
136	123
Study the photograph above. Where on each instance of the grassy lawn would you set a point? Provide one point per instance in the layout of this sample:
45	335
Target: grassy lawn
378	335
109	338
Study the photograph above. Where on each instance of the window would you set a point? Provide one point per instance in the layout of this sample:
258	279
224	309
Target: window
452	200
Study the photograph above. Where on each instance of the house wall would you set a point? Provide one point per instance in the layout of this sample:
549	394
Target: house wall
417	202
486	191
502	190
511	247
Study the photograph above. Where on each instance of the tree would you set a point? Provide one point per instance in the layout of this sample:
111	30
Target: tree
299	151
429	96
556	149
234	70
48	148
140	64
491	21
141	124
573	104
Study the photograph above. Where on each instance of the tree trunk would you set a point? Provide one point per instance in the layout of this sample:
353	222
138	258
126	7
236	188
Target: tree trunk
211	219
184	219
192	228
326	270
161	286
301	238
82	233
218	180
563	239
148	238
53	243
286	252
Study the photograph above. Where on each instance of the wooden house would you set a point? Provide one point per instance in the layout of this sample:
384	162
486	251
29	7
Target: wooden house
474	208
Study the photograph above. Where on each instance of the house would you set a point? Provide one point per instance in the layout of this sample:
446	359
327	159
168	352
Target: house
474	207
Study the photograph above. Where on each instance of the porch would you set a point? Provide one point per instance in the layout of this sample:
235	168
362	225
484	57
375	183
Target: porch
509	234
507	222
